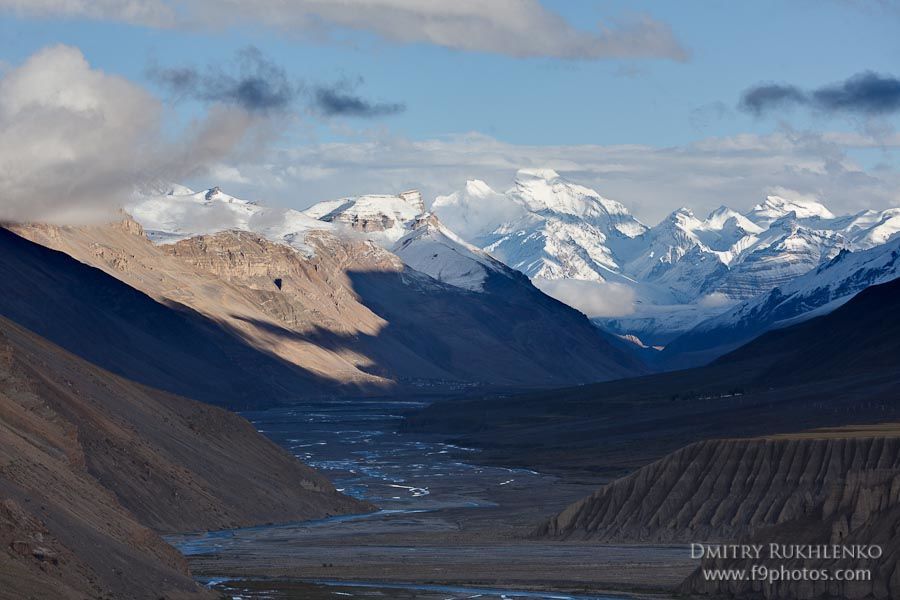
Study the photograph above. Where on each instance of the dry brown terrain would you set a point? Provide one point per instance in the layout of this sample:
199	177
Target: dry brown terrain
352	315
230	277
93	466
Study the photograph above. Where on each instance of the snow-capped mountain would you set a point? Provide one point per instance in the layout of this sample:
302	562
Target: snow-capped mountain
552	229
816	292
401	225
382	218
736	255
180	213
871	227
677	275
787	249
398	223
776	207
433	249
372	290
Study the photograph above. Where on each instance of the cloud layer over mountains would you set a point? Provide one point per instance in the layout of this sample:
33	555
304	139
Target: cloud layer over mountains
74	141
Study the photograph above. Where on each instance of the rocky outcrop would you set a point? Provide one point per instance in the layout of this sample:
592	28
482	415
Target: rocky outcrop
725	489
93	467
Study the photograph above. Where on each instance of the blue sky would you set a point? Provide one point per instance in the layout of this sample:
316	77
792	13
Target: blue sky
575	114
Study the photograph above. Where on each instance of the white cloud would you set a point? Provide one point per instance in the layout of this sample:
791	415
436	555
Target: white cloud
155	13
789	194
227	174
593	298
64	129
74	141
650	181
715	300
520	28
476	210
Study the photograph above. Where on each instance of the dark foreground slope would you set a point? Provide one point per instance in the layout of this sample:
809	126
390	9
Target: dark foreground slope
818	488
838	369
92	466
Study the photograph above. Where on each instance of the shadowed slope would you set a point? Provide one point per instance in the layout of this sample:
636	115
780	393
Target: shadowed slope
121	329
91	465
834	370
354	315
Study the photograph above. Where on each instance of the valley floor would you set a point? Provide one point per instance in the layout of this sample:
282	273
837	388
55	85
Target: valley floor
444	520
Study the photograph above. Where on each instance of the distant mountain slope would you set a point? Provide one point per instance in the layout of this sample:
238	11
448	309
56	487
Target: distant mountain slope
346	310
819	290
93	466
860	336
837	369
111	324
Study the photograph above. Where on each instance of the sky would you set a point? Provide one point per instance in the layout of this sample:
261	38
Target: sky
655	104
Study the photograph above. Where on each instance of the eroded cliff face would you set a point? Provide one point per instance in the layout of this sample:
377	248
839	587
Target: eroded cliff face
829	487
300	292
725	489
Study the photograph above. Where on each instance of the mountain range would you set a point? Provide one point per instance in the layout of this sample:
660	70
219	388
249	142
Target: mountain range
678	273
356	296
108	330
692	287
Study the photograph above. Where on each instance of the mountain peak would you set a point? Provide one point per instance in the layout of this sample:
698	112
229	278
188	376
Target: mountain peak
414	199
544	191
775	207
682	217
724	217
478	188
722	213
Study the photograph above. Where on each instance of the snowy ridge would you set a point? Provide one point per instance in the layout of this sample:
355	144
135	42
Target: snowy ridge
544	226
400	224
181	213
382	218
397	222
776	207
830	284
433	249
552	229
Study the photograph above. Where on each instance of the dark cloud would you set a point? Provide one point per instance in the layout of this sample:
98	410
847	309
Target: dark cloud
764	98
341	100
866	94
253	82
256	84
